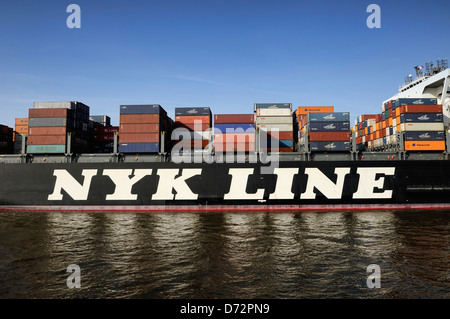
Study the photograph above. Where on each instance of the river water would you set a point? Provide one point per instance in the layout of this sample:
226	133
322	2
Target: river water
225	255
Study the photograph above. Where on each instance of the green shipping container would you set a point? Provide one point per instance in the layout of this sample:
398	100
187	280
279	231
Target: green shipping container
46	149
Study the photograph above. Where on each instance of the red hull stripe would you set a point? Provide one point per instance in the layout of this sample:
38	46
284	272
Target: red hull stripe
230	208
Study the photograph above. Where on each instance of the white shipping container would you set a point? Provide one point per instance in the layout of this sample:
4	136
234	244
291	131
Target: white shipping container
274	120
273	127
273	112
405	127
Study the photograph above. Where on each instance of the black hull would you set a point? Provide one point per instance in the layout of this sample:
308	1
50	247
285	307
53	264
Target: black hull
343	185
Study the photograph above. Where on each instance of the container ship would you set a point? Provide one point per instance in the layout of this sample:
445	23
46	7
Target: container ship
272	158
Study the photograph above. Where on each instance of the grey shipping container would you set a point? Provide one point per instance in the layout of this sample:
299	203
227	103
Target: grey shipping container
330	146
273	106
328	126
415	101
329	117
49	122
142	109
103	119
424	136
274	120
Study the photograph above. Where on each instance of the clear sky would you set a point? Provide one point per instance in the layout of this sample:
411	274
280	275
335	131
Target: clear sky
226	55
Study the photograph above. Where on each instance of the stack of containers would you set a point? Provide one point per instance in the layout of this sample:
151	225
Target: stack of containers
141	127
103	137
368	132
422	126
301	118
6	140
234	133
198	120
275	119
50	124
20	130
326	132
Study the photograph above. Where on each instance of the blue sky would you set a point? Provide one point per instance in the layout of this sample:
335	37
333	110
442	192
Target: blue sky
226	55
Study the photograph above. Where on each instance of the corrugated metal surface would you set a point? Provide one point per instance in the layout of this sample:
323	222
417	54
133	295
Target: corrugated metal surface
46	139
142	109
46	149
414	101
421	127
139	137
21	121
274	120
42	113
188	111
273	106
424	136
46	122
329	136
139	147
328	126
234	147
329	117
47	131
421	108
279	127
303	110
139	128
194	118
233	118
236	137
225	128
192	127
421	117
273	112
424	145
139	119
330	146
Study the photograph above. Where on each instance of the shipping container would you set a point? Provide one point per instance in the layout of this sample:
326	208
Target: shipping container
414	101
192	126
139	128
234	118
421	117
111	129
46	139
424	145
230	128
234	147
21	121
421	108
278	127
329	126
190	111
329	117
274	120
273	106
279	143
273	112
424	136
46	149
139	137
56	130
286	135
140	119
421	127
105	120
142	109
335	146
234	137
50	113
21	129
303	110
192	119
138	147
192	144
329	136
47	122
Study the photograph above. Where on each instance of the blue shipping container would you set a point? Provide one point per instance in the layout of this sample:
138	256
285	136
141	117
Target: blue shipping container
421	117
142	109
281	143
329	126
424	136
139	147
329	117
411	101
330	146
273	106
186	111
224	128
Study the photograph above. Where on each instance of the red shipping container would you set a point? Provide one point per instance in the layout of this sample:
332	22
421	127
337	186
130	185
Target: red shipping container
421	108
191	126
139	138
106	129
56	112
234	147
237	137
46	139
104	137
234	118
140	118
282	149
329	136
204	119
283	135
57	130
139	128
365	117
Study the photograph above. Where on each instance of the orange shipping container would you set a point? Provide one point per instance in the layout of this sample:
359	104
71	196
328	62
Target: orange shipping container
329	136
22	129
424	145
314	109
390	121
204	119
237	137
22	121
56	112
192	126
421	108
139	118
139	138
47	130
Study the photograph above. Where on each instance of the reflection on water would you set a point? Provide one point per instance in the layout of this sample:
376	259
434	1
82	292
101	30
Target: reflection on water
225	255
